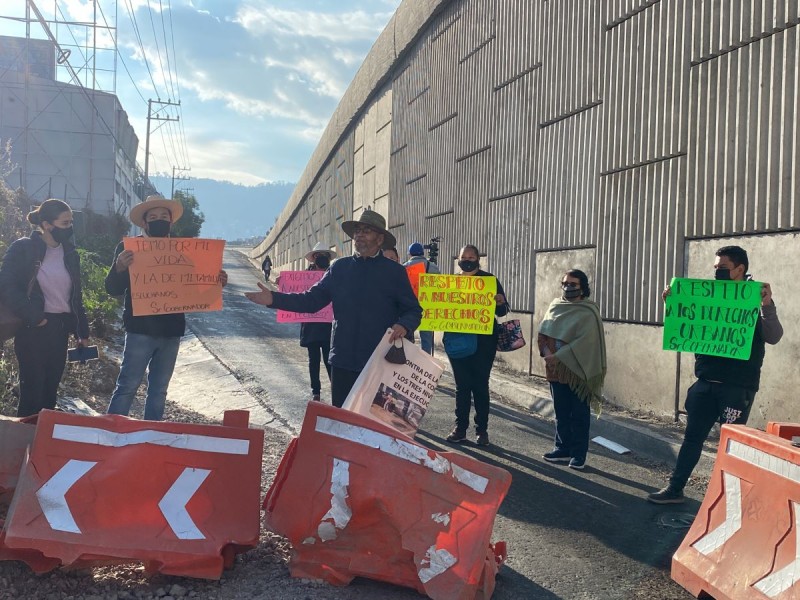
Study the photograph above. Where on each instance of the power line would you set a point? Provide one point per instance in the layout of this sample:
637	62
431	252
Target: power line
132	16
166	50
122	60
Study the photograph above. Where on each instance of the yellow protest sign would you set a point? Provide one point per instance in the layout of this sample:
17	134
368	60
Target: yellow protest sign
175	275
462	303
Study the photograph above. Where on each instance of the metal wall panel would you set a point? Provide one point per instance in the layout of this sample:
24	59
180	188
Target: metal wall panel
628	126
743	150
571	57
638	237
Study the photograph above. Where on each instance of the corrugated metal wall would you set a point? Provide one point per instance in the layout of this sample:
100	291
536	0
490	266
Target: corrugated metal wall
625	126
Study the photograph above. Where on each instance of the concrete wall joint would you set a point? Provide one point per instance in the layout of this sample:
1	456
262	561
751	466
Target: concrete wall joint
512	194
477	49
469	155
572	113
631	14
517	77
739	45
443	121
644	163
441	214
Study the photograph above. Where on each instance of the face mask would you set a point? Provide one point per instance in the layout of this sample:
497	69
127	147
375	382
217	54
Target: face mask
468	265
61	234
323	262
722	274
572	293
158	228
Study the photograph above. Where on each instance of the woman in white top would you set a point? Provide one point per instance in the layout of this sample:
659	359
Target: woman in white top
40	280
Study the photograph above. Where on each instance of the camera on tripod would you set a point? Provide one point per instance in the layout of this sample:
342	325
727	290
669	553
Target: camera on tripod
433	249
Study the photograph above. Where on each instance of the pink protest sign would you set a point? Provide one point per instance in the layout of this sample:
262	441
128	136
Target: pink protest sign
300	281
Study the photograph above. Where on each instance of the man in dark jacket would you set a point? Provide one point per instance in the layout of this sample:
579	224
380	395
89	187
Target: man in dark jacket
151	341
370	294
725	387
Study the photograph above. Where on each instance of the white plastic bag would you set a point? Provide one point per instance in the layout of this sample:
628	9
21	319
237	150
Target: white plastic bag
396	394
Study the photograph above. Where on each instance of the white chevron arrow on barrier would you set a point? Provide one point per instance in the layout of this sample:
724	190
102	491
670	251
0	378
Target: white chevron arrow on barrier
173	504
733	518
52	494
782	580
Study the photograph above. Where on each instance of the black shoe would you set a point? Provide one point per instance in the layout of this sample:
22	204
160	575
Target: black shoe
482	439
577	463
557	456
668	495
457	436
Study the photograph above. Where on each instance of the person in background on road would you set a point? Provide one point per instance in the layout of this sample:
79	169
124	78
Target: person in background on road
266	266
151	341
572	342
726	387
40	281
391	254
316	337
370	294
417	253
472	372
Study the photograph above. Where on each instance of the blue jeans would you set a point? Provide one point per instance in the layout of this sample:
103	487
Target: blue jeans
426	341
157	356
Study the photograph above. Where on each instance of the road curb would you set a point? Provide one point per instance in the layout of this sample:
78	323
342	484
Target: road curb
643	439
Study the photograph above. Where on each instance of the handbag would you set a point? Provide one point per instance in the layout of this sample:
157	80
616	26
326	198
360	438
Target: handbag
510	336
10	322
460	345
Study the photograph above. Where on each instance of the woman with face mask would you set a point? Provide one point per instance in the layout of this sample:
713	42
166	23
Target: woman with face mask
316	337
40	280
472	372
573	345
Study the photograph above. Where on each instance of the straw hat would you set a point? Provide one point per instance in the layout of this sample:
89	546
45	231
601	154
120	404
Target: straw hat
318	249
374	220
174	207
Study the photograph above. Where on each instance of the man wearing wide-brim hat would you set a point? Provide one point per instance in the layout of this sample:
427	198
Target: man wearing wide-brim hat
370	294
151	341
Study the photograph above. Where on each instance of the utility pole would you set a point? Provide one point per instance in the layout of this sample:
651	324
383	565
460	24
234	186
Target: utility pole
154	117
179	178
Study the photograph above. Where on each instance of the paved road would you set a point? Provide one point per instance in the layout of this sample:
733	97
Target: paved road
571	535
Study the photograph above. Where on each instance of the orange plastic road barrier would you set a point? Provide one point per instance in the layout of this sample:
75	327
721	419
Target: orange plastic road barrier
784	430
745	541
376	504
183	499
15	437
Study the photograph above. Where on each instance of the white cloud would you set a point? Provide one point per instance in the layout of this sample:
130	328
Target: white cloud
262	18
258	79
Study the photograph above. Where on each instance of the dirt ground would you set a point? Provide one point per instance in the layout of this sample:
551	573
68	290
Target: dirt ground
259	573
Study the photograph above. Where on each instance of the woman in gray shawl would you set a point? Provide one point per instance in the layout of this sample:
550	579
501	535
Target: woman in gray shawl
573	345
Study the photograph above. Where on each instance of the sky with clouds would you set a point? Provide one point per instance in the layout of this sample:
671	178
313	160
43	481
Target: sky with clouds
257	79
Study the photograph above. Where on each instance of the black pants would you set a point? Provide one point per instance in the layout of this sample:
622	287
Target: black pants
707	403
573	418
472	383
41	354
342	382
317	351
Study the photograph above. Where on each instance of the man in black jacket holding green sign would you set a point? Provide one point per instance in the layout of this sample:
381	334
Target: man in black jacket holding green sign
725	387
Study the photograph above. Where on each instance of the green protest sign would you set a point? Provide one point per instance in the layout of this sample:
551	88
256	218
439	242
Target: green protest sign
714	317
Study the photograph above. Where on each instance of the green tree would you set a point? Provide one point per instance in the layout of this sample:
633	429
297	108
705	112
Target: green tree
192	220
100	234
